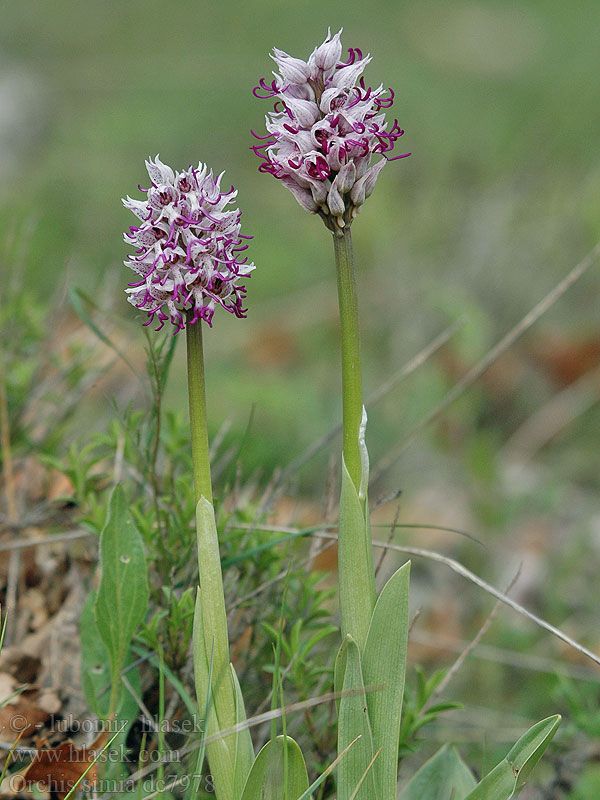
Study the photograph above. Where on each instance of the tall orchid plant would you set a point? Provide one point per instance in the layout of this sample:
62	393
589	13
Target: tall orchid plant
323	134
327	141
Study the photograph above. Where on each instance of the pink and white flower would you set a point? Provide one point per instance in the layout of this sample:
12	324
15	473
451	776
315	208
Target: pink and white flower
324	130
188	247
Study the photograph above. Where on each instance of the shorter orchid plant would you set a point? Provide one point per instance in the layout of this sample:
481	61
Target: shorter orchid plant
188	254
327	140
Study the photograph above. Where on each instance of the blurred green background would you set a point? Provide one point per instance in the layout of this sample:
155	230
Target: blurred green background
500	198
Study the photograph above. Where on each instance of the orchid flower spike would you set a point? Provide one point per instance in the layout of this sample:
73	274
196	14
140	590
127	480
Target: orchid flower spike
324	130
188	247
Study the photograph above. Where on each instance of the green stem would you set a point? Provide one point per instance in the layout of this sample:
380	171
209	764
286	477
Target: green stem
197	396
352	397
356	575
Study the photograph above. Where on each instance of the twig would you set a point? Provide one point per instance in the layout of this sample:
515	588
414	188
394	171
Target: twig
470	576
12	581
377	395
389	539
510	658
470	647
52	538
490	357
546	423
140	704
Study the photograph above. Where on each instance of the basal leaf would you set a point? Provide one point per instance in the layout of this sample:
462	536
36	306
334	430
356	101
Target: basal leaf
444	777
270	780
95	667
509	776
122	596
212	624
353	721
95	677
244	751
384	665
220	752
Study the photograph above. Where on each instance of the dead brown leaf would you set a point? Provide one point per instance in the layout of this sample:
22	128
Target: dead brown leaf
58	769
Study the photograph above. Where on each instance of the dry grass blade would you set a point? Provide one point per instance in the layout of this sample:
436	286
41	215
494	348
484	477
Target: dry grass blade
327	771
510	658
377	395
9	757
489	358
555	415
364	775
441	687
457	567
53	538
14	564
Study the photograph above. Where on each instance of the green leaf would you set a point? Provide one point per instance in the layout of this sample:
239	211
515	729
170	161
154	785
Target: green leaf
339	671
122	597
212	624
95	672
95	679
266	778
307	794
220	758
355	558
244	751
354	721
384	664
444	777
509	776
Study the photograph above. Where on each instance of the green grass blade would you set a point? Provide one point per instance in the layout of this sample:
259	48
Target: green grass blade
3	631
444	777
509	776
384	664
92	763
173	679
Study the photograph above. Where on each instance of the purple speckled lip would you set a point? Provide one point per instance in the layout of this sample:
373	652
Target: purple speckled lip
187	248
325	128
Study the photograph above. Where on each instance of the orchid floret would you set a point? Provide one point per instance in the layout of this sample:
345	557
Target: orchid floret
188	249
325	130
